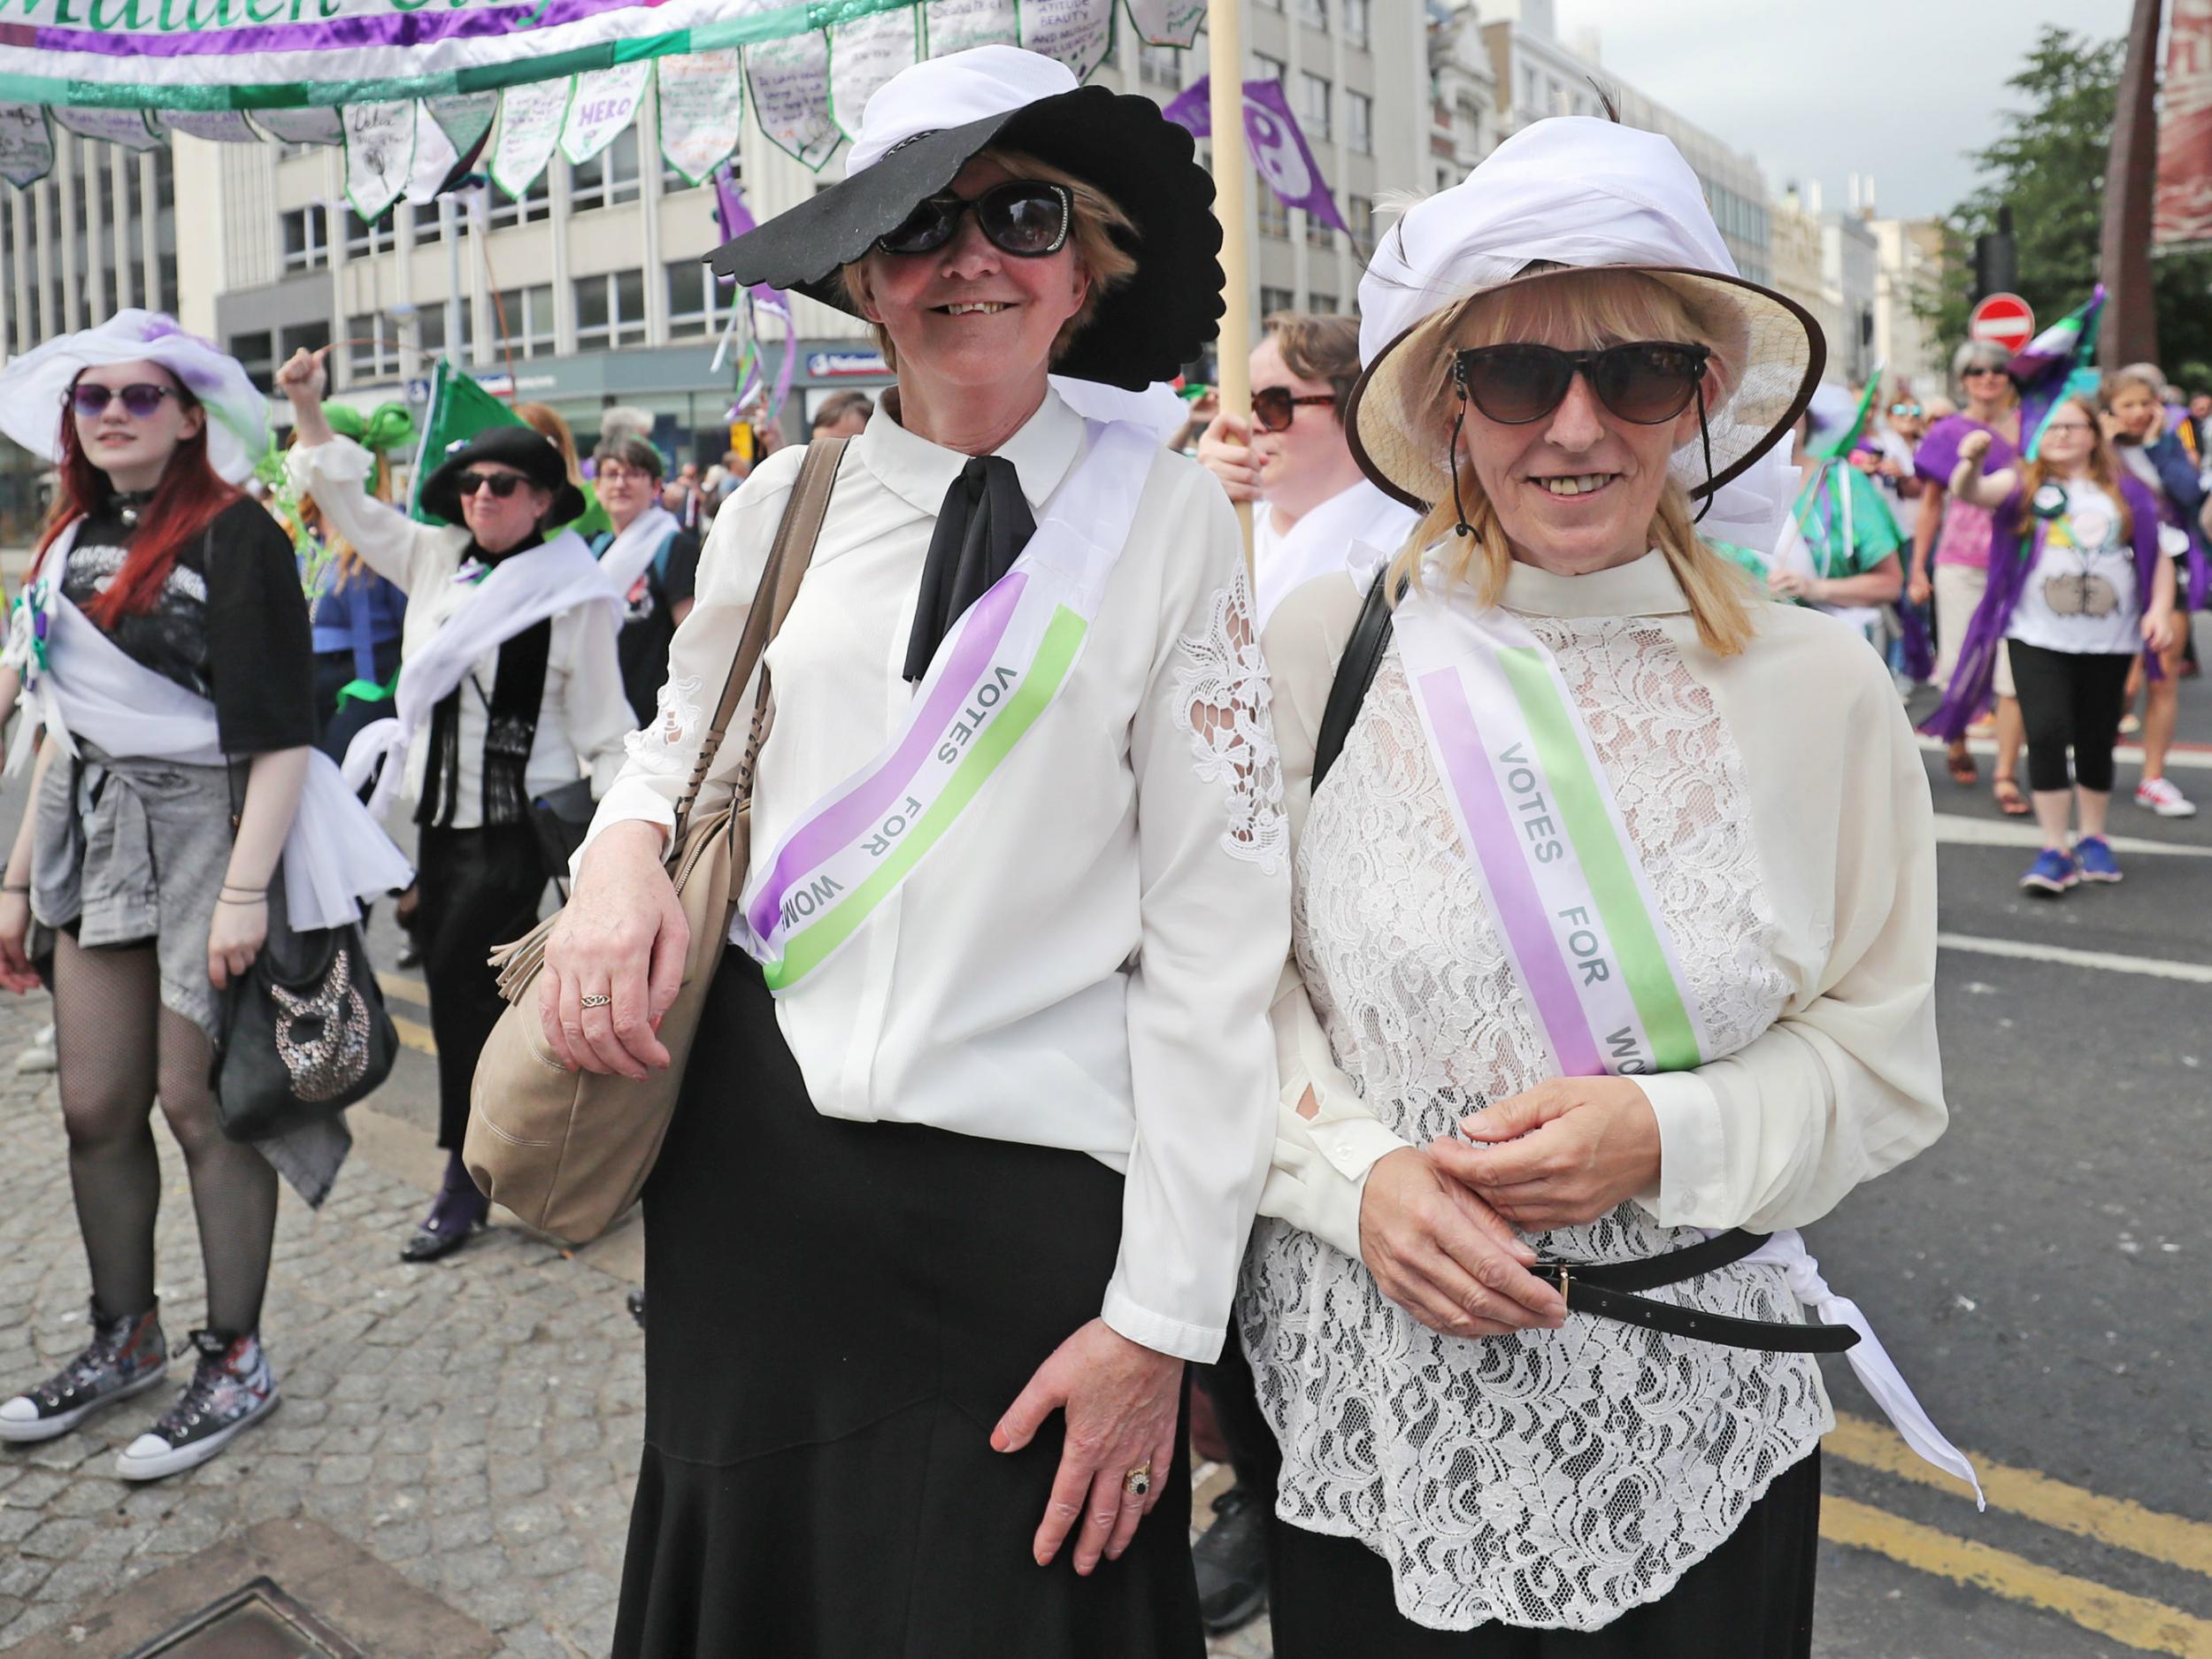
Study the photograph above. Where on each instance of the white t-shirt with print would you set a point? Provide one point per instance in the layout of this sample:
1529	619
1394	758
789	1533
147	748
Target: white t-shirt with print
2081	596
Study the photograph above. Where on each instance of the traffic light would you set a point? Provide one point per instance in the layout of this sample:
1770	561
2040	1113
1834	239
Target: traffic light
1996	259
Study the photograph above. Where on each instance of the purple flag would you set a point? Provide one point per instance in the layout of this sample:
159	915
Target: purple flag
1278	149
735	219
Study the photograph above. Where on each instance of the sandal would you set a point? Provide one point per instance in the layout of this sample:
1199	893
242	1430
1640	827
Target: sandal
2009	800
1964	772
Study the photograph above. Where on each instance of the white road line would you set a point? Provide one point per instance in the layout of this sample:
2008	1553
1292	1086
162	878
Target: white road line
2110	962
2192	754
1955	829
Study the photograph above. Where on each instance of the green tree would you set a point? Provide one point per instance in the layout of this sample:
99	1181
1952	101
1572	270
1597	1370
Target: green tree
2048	165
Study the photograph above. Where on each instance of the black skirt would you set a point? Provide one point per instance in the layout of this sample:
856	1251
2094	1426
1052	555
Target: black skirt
839	1314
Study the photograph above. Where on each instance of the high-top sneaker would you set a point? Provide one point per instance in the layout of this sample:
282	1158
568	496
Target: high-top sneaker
232	1389
127	1357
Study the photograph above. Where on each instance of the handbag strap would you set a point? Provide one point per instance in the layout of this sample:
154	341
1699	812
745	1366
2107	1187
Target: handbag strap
1355	672
789	557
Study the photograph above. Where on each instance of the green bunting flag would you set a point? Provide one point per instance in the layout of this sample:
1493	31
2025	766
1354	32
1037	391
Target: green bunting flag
459	409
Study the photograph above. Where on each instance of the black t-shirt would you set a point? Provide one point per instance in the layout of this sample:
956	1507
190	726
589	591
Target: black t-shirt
647	624
230	622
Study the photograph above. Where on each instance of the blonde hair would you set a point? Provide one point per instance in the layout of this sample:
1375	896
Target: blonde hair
1603	308
1092	227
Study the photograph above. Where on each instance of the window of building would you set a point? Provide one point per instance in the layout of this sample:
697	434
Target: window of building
362	237
1274	300
1359	214
1314	95
525	317
169	299
1269	5
373	347
1314	13
165	179
535	203
1319	232
1359	123
1528	91
1323	303
1268	68
611	310
697	305
256	354
609	178
1159	66
1274	217
301	337
430	329
306	239
1355	22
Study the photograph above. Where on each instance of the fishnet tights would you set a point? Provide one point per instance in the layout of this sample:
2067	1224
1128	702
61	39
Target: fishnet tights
119	1050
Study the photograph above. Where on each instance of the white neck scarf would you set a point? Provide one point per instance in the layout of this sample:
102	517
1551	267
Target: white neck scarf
632	548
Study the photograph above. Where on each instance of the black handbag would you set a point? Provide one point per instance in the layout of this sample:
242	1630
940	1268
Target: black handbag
305	1033
561	817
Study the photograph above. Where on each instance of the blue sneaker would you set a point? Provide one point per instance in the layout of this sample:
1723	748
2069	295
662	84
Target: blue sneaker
2093	854
2051	873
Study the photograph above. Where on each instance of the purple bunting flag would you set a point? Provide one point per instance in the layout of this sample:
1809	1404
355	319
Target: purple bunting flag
1278	149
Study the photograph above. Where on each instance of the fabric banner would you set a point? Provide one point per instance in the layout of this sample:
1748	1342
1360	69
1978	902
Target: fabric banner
2181	214
222	126
26	144
701	100
1168	22
464	117
301	127
1078	32
435	159
1272	135
380	155
604	103
127	127
530	122
789	80
954	26
864	55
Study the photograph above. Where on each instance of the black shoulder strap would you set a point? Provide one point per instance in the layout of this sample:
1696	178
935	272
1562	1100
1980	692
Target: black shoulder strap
1355	672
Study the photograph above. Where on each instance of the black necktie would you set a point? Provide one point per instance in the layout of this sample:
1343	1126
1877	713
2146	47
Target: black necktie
981	530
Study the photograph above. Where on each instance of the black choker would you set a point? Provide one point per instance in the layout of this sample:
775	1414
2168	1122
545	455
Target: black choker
128	503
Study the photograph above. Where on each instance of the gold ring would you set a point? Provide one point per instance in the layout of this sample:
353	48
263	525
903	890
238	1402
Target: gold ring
1138	1481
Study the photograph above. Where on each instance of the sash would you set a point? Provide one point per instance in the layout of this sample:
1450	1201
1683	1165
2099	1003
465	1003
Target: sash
520	591
993	675
633	549
88	687
1581	924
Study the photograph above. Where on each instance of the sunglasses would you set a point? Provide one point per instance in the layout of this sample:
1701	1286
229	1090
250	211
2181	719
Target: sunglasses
1644	382
1981	369
502	485
1904	408
1022	217
1274	408
140	399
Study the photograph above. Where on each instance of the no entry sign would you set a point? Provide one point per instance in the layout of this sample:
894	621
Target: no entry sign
2003	319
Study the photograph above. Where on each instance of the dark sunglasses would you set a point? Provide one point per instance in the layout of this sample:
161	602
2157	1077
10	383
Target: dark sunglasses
502	485
1983	368
1024	217
1645	381
1274	408
140	399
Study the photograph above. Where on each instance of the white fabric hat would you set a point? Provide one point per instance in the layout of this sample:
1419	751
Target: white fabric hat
33	387
951	91
1580	193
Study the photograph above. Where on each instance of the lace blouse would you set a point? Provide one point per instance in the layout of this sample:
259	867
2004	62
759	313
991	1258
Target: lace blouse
1556	1479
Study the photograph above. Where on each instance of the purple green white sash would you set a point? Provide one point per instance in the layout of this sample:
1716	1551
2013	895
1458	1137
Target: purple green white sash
994	676
1574	906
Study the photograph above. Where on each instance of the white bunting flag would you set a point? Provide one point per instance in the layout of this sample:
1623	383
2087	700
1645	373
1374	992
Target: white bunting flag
315	125
26	144
1078	32
127	127
954	26
701	102
380	154
864	55
790	85
530	120
605	102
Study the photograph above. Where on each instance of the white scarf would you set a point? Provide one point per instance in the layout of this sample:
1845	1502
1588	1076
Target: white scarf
633	546
521	591
334	854
1342	533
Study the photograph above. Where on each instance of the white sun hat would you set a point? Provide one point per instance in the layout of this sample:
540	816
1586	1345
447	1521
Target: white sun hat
1582	194
34	387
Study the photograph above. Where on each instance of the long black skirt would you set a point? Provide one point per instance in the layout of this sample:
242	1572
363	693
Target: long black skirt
839	1314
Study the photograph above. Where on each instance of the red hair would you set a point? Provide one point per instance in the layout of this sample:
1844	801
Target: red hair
184	503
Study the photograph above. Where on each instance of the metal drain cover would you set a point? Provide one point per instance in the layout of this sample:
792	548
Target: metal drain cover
258	1621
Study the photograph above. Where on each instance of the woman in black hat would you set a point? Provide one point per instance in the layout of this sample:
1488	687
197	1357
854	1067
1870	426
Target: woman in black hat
508	688
972	1133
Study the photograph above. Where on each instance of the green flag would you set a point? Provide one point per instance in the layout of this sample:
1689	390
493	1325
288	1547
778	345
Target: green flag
459	409
1839	443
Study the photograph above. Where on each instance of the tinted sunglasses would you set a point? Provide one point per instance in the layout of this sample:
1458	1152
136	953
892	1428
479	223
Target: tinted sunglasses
140	399
1904	408
1274	408
502	485
1024	217
1645	381
1983	368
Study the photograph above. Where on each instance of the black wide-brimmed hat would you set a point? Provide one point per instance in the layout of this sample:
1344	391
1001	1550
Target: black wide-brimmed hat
524	449
1145	330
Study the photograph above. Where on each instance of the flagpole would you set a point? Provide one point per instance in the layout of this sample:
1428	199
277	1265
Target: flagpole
1225	41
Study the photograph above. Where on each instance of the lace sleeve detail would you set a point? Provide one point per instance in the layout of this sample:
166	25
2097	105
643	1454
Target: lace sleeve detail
1221	694
671	743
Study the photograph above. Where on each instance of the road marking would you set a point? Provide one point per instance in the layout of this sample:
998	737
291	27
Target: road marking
2132	1620
2119	1522
1955	829
409	990
2196	755
414	1034
2109	962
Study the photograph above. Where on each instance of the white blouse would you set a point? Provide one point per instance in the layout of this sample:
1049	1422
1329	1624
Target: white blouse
583	714
1086	960
1554	1479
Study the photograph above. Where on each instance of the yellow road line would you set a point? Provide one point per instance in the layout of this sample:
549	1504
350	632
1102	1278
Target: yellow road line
414	1034
2120	1522
2132	1620
410	990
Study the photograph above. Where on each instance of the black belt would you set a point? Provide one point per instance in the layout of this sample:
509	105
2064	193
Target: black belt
1607	1289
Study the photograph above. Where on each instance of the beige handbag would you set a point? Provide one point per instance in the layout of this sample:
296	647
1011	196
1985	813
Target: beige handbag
569	1151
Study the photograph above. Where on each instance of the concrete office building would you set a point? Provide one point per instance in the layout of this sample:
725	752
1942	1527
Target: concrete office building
1908	273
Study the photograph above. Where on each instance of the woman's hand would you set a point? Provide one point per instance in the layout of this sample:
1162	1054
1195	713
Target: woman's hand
1791	584
621	940
16	973
1224	449
1560	1154
1973	445
2163	629
235	938
1121	1400
1444	1255
303	379
1918	588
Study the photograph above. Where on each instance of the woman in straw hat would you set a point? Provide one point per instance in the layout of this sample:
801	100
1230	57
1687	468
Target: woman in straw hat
1616	924
965	1159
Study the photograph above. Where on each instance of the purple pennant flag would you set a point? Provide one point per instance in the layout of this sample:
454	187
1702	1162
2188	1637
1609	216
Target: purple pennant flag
1278	149
735	219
